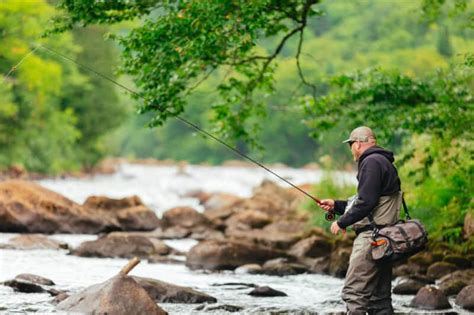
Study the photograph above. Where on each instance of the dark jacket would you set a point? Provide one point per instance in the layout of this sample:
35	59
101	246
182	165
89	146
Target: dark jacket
377	177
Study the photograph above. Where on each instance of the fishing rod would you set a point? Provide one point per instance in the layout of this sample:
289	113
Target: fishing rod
329	216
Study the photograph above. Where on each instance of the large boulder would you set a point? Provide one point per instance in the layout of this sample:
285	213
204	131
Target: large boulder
339	261
163	292
118	295
465	298
186	219
281	234
33	241
26	207
125	245
313	247
430	298
228	254
130	212
252	218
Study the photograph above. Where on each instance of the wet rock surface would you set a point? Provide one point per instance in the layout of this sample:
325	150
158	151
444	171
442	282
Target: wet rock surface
229	254
266	291
118	295
430	298
453	283
465	298
163	292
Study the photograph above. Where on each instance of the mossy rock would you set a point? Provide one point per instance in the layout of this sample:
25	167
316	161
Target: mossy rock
440	269
421	259
459	261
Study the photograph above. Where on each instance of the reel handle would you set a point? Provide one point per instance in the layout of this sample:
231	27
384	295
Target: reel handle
330	216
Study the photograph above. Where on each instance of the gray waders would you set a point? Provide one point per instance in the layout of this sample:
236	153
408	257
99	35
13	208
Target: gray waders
368	286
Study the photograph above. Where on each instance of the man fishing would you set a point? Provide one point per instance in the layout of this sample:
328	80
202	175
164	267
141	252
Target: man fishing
367	288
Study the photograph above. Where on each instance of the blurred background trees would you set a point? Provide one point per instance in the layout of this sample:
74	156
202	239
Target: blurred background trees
403	67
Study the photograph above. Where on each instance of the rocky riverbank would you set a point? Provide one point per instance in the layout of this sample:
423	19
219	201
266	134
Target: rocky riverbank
264	234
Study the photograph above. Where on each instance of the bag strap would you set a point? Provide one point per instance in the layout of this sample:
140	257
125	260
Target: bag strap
374	226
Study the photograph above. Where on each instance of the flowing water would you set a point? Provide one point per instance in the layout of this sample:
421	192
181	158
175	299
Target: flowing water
162	188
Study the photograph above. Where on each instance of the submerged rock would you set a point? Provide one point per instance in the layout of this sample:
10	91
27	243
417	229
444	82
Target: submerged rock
118	295
33	241
24	286
266	291
34	279
430	298
163	292
228	254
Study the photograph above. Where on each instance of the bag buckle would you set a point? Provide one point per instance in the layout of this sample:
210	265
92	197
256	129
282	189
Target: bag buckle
379	242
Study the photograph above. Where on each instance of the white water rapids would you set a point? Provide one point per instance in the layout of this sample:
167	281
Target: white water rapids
161	188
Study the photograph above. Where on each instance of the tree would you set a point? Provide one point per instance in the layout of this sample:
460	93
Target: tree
181	43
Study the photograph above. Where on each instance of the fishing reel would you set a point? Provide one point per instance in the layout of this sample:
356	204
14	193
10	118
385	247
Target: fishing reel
330	216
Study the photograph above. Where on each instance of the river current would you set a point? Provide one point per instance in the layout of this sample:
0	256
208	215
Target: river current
160	188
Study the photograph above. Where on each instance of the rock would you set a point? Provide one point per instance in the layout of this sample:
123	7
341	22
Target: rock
281	235
465	298
222	307
252	218
266	292
430	298
319	265
163	292
453	283
26	207
175	232
118	295
24	286
59	298
207	234
282	267
28	277
408	270
228	254
440	269
33	241
219	201
130	212
468	229
251	269
158	259
458	261
122	245
184	217
408	286
314	247
106	203
339	262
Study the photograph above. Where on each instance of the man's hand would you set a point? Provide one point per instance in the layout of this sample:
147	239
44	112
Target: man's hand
326	204
335	229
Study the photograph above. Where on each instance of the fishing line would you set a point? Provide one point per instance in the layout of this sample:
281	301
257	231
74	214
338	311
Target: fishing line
183	120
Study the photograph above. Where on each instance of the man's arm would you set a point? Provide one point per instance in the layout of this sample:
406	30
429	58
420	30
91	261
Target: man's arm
368	190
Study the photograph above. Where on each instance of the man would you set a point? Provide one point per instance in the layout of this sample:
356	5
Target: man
367	287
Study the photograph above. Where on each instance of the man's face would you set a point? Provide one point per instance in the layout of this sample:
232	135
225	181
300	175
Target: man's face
355	149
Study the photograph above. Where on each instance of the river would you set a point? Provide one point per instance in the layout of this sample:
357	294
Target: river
163	187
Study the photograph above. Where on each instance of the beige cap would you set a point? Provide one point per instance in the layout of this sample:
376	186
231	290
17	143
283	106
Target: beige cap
363	134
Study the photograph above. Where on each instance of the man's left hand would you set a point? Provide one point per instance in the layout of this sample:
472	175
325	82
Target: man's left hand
335	229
